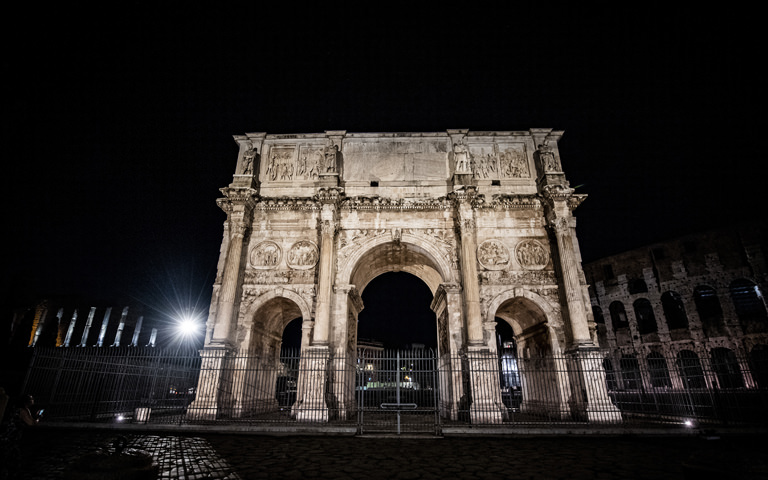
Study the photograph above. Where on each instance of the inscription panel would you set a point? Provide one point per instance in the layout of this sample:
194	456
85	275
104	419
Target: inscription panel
396	159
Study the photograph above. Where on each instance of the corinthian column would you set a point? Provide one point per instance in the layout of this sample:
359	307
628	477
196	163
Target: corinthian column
328	225
569	266
229	284
239	205
217	353
470	284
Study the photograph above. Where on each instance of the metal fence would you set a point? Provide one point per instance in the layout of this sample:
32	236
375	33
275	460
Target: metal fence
382	391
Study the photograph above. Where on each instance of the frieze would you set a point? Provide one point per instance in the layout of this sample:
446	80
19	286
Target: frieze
493	255
510	202
287	203
376	203
265	255
507	277
531	254
277	277
302	255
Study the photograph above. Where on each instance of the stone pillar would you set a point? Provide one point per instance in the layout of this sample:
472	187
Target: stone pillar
206	404
469	278
60	327
41	311
120	327
447	307
589	387
71	329
137	332
238	204
87	328
311	407
216	354
104	325
587	376
571	269
328	225
229	285
487	406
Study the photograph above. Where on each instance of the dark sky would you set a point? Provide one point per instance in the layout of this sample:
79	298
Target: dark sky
120	124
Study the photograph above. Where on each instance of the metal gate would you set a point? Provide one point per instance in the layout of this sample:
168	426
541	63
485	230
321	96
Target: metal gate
397	392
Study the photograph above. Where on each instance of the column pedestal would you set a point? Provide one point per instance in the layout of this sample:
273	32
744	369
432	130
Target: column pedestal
310	405
590	391
206	403
487	407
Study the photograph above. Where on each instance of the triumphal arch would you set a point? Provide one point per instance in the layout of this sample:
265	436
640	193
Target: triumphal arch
483	218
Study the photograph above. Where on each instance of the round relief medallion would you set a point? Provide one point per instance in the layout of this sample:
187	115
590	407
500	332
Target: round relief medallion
302	255
531	255
265	255
493	255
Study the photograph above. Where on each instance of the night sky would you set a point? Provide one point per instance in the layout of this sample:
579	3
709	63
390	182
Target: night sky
120	124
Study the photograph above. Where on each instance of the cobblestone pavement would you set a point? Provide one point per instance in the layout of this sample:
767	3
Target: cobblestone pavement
47	454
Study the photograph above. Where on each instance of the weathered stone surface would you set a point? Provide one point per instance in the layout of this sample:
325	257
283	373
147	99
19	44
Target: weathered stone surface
313	218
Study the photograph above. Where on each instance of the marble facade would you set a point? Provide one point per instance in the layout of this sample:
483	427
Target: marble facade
483	218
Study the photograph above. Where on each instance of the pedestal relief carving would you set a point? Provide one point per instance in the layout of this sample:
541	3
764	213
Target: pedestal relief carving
265	255
493	255
531	255
303	255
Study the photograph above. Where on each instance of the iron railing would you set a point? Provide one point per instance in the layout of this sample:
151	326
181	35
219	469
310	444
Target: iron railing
407	391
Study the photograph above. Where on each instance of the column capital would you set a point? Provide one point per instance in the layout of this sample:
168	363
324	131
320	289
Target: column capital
329	195
465	194
237	198
555	195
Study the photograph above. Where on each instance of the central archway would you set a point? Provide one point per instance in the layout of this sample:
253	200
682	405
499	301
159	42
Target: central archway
397	312
380	257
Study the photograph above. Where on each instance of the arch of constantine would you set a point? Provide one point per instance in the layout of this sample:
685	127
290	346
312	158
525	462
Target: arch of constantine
483	218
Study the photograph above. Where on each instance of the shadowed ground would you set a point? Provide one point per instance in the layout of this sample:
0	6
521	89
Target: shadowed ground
46	454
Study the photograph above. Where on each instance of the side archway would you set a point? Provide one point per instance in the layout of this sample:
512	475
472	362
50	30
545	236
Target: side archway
257	370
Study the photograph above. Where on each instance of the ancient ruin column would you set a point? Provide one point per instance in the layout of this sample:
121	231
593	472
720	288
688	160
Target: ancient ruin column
569	266
238	204
137	332
447	307
314	359
486	406
104	325
325	274
60	327
70	329
41	312
587	375
87	328
469	279
120	327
